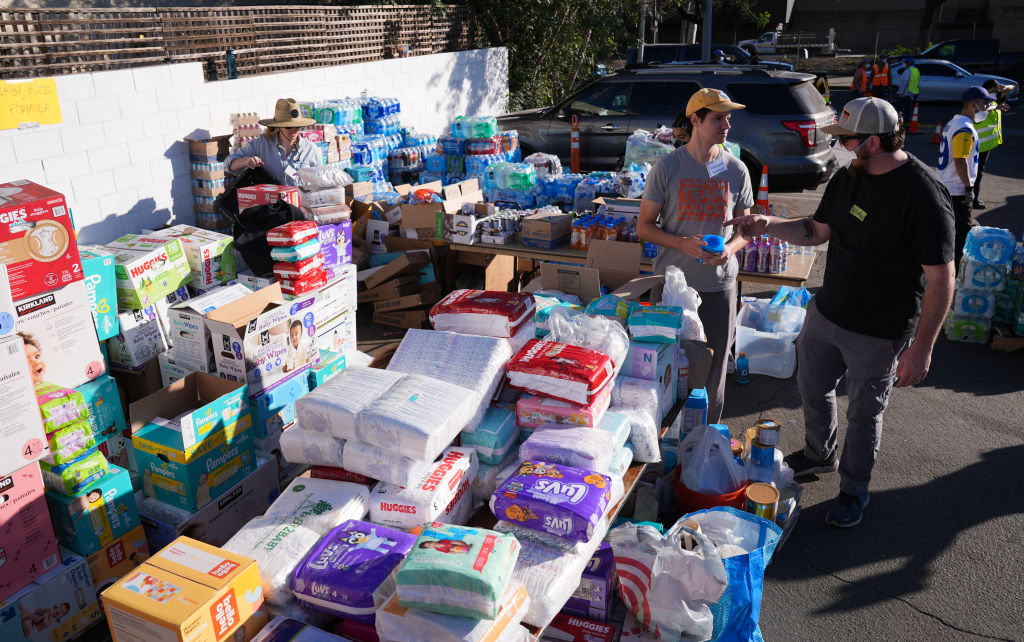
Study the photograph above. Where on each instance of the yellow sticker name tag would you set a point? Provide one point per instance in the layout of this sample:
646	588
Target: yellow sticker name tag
858	213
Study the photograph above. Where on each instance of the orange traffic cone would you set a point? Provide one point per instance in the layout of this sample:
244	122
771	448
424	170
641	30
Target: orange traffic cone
937	136
762	191
912	128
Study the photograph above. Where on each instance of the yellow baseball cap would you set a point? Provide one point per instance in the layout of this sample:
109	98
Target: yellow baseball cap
713	99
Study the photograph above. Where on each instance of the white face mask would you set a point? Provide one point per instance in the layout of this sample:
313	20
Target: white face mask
980	115
845	156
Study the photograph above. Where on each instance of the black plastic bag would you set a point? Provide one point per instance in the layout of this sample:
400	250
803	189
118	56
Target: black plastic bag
250	232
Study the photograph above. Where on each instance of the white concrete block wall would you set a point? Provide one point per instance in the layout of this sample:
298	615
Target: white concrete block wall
119	155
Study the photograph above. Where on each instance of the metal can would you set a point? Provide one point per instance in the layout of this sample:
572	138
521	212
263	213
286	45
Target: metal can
762	500
749	435
768	433
762	454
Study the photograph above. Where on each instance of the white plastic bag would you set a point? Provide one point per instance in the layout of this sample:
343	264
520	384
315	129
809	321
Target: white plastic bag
585	331
677	293
668	588
324	176
708	465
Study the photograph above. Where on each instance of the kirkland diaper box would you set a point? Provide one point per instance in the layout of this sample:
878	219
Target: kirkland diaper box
113	561
98	515
28	548
261	340
57	606
218	521
210	255
37	239
60	336
146	268
188	328
100	283
22	436
187	459
654	362
187	591
106	415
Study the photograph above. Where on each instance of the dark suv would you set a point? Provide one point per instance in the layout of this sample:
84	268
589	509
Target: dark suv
779	127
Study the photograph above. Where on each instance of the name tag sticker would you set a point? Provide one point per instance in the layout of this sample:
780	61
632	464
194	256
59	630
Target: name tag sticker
858	213
716	166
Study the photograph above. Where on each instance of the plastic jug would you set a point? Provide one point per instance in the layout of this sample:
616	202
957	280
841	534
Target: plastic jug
695	411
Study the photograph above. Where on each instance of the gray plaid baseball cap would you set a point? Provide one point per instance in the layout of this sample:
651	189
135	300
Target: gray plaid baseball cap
865	116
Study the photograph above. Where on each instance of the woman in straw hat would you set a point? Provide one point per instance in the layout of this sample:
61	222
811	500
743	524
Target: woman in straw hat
280	151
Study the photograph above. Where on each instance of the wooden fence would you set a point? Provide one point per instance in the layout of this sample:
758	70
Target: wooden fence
53	42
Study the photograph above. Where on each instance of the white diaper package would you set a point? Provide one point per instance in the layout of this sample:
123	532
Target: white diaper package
333	407
396	623
620	462
636	393
320	504
472	362
382	465
278	545
618	425
486	480
584	448
301	446
494	437
417	417
442	495
643	434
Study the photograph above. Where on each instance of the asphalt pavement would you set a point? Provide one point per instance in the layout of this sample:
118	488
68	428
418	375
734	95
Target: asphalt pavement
940	553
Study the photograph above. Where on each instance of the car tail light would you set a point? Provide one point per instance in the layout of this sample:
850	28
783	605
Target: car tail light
806	128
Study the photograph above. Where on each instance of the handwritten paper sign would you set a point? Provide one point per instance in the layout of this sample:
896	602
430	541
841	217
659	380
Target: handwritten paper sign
29	101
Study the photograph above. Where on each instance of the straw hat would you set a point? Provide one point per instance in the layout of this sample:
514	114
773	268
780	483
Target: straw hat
286	114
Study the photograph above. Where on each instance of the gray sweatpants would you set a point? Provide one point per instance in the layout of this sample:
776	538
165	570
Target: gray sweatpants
717	313
825	354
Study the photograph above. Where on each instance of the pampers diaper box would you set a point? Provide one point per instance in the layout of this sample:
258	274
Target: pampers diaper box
106	415
37	239
60	336
147	268
187	459
97	516
28	548
100	283
262	340
187	591
22	435
58	606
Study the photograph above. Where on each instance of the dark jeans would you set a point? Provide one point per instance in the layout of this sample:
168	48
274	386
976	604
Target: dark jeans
982	159
961	221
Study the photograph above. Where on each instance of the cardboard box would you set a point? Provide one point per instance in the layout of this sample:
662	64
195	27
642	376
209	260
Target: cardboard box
274	409
37	239
138	384
101	284
403	318
546	231
397	287
61	605
464	225
28	548
654	362
106	415
60	323
262	340
187	591
147	268
209	150
103	512
7	310
581	281
428	295
211	256
116	559
22	435
617	262
434	220
188	329
201	404
331	363
407	263
266	194
173	369
338	295
218	521
140	338
357	189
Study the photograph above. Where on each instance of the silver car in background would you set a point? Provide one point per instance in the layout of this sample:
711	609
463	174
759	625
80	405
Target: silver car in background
943	81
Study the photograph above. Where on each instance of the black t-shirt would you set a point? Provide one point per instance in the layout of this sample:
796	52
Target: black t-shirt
883	229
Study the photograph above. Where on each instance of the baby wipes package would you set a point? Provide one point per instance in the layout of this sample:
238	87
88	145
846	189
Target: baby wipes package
442	493
483	312
553	498
187	591
104	511
494	437
457	570
534	410
187	327
294	253
343	570
147	268
140	338
559	370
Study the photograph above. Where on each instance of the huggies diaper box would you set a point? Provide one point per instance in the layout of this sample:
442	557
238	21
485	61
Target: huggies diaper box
60	336
210	255
261	340
22	436
100	283
96	517
28	548
146	268
58	606
187	591
37	239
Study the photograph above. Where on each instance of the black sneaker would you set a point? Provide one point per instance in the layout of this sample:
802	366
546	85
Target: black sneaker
803	465
847	511
979	205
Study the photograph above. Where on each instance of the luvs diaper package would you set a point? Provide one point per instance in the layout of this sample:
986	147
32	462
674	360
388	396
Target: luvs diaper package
560	500
341	573
457	570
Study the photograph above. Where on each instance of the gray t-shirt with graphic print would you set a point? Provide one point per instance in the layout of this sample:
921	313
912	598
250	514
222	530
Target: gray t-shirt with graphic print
694	203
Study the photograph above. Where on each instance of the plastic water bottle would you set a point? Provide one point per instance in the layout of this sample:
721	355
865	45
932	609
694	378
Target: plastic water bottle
695	411
742	368
750	256
785	255
683	376
763	250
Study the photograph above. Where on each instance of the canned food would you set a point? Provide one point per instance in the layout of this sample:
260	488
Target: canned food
768	433
687	540
762	454
762	500
737	447
748	438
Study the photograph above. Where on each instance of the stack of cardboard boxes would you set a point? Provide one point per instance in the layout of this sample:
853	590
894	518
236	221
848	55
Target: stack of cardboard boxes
207	157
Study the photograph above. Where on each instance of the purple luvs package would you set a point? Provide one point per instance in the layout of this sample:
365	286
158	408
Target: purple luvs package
593	597
561	500
341	572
